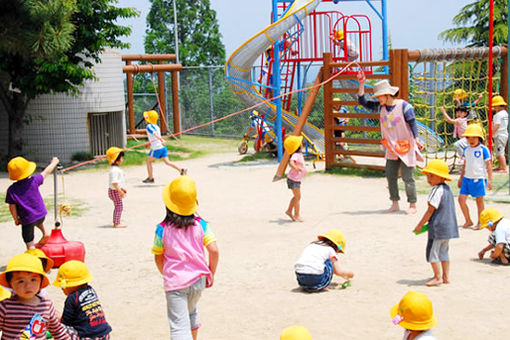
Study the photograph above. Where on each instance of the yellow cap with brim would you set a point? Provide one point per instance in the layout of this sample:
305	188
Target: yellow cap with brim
73	273
414	312
474	130
112	154
180	196
337	237
151	116
292	143
41	255
498	101
19	168
439	168
489	216
24	263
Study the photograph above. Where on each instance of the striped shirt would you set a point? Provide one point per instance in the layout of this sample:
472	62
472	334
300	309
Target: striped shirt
15	317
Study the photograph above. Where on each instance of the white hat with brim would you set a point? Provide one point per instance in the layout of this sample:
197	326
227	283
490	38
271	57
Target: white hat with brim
383	87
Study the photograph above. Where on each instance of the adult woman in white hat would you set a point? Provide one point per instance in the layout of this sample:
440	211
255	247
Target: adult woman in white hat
399	137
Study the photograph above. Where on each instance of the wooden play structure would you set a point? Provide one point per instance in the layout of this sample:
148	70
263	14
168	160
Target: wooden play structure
160	68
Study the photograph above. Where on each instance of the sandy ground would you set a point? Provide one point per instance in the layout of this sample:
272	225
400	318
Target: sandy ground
255	294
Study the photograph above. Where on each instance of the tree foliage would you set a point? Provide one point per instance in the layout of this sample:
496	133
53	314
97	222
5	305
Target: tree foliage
473	24
50	46
197	28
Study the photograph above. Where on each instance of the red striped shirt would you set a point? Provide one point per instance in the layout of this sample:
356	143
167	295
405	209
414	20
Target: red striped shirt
15	317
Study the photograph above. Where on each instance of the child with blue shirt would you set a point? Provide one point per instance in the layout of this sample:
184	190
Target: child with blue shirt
476	170
158	148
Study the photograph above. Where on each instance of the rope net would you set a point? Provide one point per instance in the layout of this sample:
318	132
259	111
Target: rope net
449	83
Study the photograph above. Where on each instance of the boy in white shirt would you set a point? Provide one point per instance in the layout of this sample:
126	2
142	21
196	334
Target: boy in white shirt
500	128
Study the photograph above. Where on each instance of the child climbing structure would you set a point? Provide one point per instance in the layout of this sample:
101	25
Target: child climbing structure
298	34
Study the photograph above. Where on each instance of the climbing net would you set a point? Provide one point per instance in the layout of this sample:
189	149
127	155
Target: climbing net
434	79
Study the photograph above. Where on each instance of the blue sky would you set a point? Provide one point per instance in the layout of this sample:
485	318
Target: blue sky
413	24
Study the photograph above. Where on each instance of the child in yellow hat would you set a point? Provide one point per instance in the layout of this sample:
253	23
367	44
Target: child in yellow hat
297	172
157	145
499	239
476	172
349	48
414	313
83	314
500	131
442	221
116	183
25	201
319	261
27	314
180	257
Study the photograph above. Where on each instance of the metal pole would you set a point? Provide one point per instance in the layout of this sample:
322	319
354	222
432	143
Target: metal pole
177	60
300	94
386	54
211	103
276	87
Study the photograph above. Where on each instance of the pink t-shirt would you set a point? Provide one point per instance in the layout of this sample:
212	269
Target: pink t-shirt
460	127
297	175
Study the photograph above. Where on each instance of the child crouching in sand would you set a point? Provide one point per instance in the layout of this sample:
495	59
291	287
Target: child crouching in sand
499	239
442	222
296	174
319	261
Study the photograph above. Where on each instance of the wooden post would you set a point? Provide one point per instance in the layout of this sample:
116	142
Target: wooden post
328	120
162	97
131	108
404	74
395	68
175	103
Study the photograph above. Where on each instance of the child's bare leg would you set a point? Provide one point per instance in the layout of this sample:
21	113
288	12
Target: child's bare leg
503	258
297	206
149	167
502	164
170	164
45	234
290	208
412	209
194	333
30	245
465	210
446	271
393	208
436	280
480	206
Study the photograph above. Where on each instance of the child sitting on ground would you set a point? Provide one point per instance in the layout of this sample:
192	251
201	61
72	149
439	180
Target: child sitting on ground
319	261
116	190
296	174
180	257
83	314
500	128
26	314
475	171
414	313
295	333
442	222
460	125
499	239
158	148
25	201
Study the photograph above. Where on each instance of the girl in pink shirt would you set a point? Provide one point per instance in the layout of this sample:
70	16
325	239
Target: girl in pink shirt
297	172
460	125
180	257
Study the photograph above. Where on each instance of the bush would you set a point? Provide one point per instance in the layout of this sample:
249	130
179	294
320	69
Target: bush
82	156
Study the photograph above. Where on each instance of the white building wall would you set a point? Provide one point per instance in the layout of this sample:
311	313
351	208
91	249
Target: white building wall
58	125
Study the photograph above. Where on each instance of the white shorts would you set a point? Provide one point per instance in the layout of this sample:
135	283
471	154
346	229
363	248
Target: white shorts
437	250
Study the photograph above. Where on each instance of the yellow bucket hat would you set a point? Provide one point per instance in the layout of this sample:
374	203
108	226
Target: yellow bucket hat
461	93
112	154
292	143
339	35
439	168
24	263
180	196
498	101
335	236
19	168
474	130
73	273
488	217
151	116
295	333
4	294
45	260
414	312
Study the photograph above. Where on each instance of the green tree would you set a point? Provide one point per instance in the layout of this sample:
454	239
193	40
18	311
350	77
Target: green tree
473	24
197	29
50	46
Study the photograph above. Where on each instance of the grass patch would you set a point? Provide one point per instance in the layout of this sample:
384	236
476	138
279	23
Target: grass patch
336	170
256	157
78	207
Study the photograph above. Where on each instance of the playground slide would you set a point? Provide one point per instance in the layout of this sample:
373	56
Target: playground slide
239	69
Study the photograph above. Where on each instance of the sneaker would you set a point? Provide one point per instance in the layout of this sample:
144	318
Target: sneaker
148	180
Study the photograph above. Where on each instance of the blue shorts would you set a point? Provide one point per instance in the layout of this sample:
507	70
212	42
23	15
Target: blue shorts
316	282
159	153
474	187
